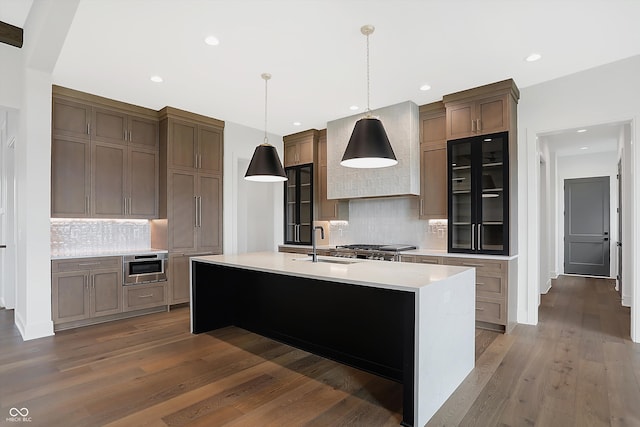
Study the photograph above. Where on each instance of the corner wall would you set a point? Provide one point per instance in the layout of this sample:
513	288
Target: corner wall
605	94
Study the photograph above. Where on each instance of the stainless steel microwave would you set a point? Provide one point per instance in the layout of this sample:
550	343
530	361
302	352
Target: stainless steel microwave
144	268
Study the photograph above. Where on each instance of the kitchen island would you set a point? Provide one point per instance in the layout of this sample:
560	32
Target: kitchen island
412	323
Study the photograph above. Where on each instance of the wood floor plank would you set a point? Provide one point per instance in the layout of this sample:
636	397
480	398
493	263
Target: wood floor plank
577	367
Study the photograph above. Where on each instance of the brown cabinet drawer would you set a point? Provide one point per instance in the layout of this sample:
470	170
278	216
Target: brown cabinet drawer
424	259
490	285
79	264
481	265
144	296
492	311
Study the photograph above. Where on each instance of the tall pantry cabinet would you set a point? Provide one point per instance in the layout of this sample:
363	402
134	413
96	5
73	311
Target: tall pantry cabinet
191	150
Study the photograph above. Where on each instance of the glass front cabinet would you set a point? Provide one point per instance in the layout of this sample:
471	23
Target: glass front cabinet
298	205
478	194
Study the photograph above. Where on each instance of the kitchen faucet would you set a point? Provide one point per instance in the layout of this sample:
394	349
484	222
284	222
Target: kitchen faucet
314	256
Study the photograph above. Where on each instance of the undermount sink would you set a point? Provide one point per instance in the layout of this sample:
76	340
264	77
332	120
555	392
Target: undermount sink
329	260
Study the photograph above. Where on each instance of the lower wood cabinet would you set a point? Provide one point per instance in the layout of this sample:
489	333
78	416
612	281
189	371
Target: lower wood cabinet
86	288
149	295
85	291
178	273
496	304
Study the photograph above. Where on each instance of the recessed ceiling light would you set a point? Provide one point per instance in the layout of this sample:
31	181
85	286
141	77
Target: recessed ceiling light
354	107
581	130
212	41
533	57
584	148
425	87
297	123
156	79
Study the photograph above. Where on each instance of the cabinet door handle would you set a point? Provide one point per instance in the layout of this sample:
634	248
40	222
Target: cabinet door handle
145	296
88	263
88	129
479	283
473	125
199	211
130	136
421	207
473	236
478	127
335	210
479	309
195	204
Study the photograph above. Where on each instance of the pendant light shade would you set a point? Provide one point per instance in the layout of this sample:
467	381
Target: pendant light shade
265	165
369	146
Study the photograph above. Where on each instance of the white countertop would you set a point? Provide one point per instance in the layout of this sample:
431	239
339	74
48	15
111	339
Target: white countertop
121	252
383	274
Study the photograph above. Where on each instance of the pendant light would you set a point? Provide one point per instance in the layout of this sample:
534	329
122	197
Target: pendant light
265	164
369	146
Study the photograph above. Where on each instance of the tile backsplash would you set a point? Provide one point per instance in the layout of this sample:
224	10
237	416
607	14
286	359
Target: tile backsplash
86	236
389	220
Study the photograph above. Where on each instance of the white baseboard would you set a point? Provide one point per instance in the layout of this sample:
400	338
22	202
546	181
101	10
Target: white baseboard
626	300
33	331
546	288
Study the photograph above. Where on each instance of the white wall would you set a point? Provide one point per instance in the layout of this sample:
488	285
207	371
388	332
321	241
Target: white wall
25	79
253	211
604	94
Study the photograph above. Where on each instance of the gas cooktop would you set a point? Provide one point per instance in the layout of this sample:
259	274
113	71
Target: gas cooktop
370	247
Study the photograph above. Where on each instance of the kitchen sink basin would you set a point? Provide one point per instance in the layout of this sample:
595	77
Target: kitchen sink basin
328	260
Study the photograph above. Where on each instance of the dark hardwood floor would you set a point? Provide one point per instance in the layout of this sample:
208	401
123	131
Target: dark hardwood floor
577	367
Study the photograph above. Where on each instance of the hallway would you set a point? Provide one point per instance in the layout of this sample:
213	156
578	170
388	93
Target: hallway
577	367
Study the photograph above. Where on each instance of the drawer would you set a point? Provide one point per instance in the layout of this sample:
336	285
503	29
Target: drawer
490	285
424	259
79	264
144	296
492	311
481	265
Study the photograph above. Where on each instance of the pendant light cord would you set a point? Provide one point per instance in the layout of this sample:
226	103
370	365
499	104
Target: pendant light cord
266	77
368	84
266	140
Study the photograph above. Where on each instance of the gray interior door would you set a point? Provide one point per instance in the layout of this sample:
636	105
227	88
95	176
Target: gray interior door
586	226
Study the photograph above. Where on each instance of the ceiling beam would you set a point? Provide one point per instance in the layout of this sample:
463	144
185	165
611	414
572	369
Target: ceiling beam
10	34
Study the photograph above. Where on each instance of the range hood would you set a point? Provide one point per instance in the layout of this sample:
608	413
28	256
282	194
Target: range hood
401	121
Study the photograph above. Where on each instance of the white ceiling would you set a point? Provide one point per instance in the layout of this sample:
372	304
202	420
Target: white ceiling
316	53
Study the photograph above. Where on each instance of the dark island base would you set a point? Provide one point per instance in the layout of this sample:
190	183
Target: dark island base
365	327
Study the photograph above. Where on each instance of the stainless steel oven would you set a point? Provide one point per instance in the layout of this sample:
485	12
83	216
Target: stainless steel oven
144	268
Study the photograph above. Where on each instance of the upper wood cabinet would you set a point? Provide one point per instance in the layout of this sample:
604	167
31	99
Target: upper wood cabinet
71	118
299	148
482	110
119	127
326	210
70	177
433	162
194	146
104	158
